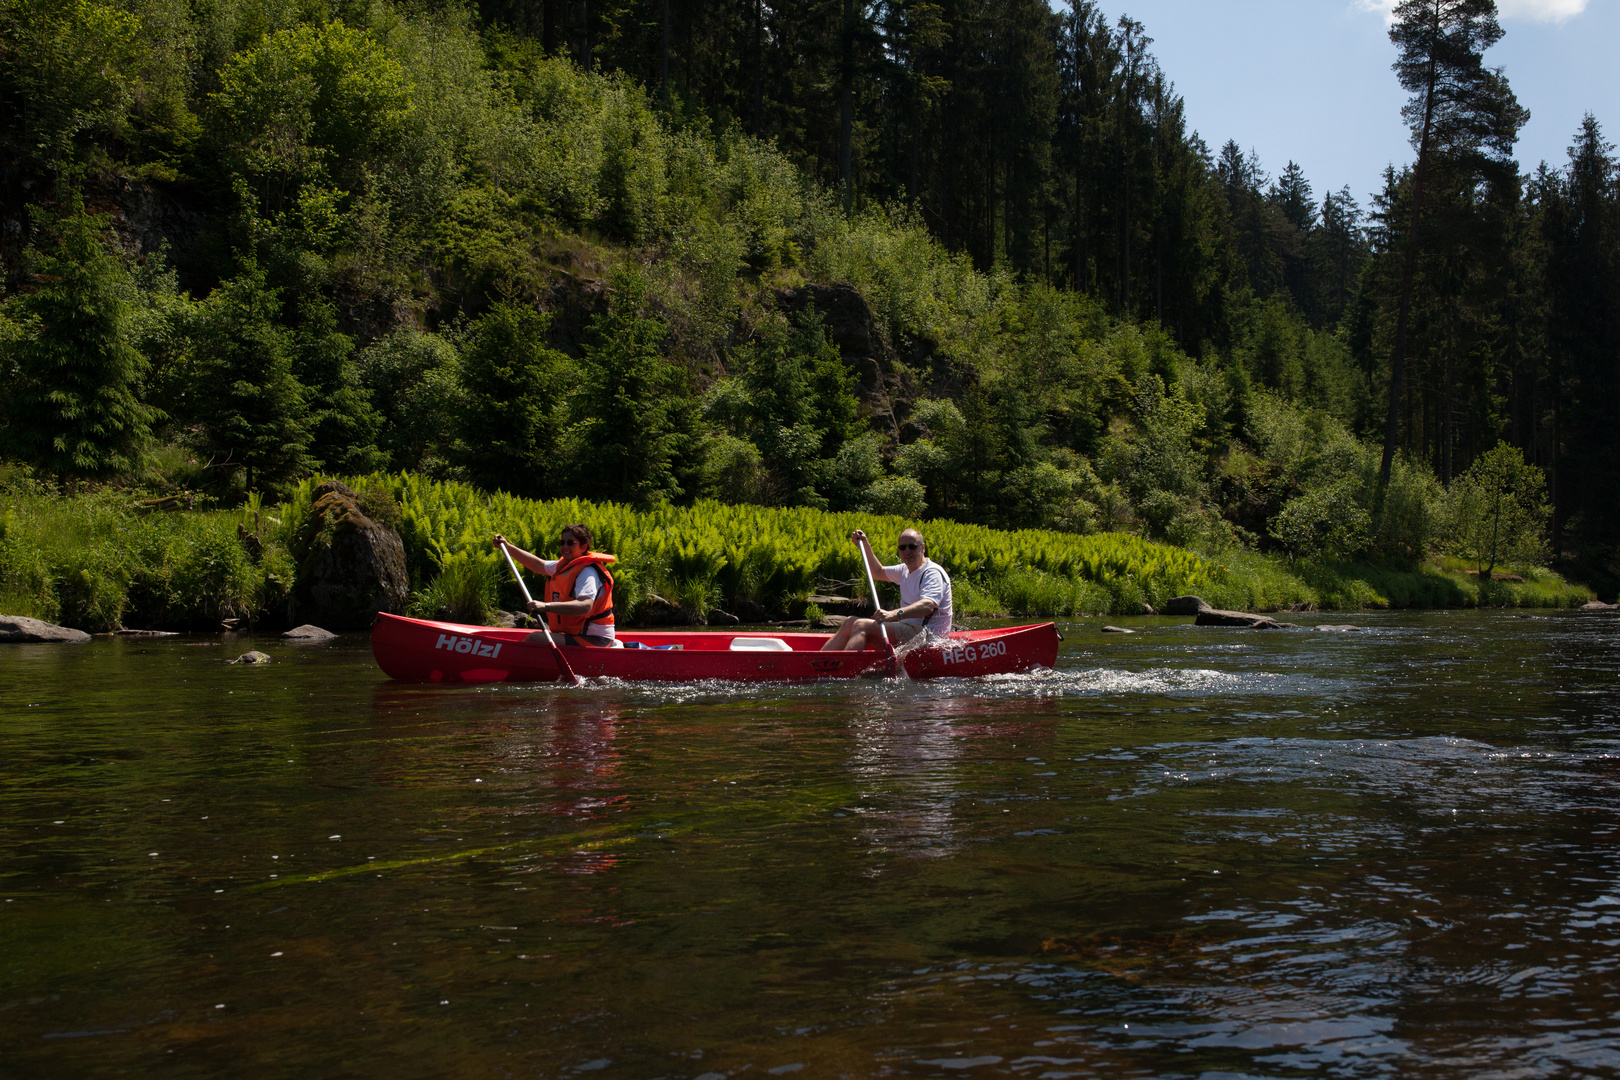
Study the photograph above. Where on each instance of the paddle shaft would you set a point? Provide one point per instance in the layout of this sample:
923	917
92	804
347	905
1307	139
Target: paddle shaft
562	661
867	559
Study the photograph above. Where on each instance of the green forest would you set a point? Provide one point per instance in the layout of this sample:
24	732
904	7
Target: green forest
956	261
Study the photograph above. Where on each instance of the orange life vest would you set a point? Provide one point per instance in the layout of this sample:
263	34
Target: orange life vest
560	586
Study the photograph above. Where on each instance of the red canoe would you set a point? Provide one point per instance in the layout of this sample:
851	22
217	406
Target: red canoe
419	650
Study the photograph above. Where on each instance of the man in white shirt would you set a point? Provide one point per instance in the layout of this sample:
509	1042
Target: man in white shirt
925	598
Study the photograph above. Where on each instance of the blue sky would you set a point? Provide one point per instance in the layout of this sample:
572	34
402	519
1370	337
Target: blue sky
1310	80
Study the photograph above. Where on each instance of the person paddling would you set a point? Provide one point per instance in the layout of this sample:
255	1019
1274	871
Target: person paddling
578	604
925	597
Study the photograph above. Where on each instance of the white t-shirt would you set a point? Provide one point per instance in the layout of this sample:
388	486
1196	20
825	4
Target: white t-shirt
586	586
928	582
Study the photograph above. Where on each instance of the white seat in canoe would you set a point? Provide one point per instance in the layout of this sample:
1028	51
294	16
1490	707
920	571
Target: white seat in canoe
759	644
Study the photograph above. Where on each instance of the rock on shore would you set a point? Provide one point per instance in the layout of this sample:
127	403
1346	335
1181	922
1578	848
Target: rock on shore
23	630
353	566
1185	605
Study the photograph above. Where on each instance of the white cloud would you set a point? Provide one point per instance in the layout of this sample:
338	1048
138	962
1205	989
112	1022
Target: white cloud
1536	10
1541	10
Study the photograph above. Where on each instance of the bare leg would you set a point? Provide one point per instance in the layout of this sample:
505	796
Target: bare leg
851	636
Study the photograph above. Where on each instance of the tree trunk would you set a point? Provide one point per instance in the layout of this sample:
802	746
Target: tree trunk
759	65
663	60
846	109
1397	357
1446	438
585	35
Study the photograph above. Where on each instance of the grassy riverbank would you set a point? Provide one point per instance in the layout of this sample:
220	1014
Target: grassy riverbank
103	560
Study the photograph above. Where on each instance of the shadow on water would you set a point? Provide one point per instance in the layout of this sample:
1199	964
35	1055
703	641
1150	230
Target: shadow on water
1183	853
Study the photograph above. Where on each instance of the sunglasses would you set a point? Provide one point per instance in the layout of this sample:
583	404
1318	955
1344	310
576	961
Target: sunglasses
907	547
567	541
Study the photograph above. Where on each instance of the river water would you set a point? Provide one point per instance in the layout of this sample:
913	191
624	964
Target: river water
1185	853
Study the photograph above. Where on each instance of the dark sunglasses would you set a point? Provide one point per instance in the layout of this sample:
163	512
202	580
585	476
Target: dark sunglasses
907	547
567	541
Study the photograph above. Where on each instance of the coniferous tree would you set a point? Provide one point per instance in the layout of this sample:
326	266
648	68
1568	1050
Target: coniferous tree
633	436
1581	229
74	404
249	411
1458	110
512	424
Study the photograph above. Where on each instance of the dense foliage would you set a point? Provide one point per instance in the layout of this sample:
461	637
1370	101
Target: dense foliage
954	261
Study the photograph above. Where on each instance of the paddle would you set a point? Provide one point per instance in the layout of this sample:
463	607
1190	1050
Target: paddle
867	558
562	661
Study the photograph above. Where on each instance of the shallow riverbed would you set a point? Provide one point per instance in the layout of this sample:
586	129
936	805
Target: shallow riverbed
1187	852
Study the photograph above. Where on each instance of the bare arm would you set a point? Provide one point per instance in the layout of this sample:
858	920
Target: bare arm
921	609
524	558
538	566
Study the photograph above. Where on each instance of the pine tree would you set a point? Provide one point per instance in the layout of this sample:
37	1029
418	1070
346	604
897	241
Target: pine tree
633	435
251	411
1581	230
512	427
74	406
1459	110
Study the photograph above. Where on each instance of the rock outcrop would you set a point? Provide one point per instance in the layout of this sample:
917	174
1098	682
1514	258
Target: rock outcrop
307	633
23	630
1184	605
351	566
841	605
657	611
1598	605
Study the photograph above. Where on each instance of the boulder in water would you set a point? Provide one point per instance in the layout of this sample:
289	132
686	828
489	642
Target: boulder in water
22	629
254	657
1243	619
307	633
1184	605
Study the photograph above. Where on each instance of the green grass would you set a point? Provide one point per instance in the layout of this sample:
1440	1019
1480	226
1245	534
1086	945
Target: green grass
95	563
